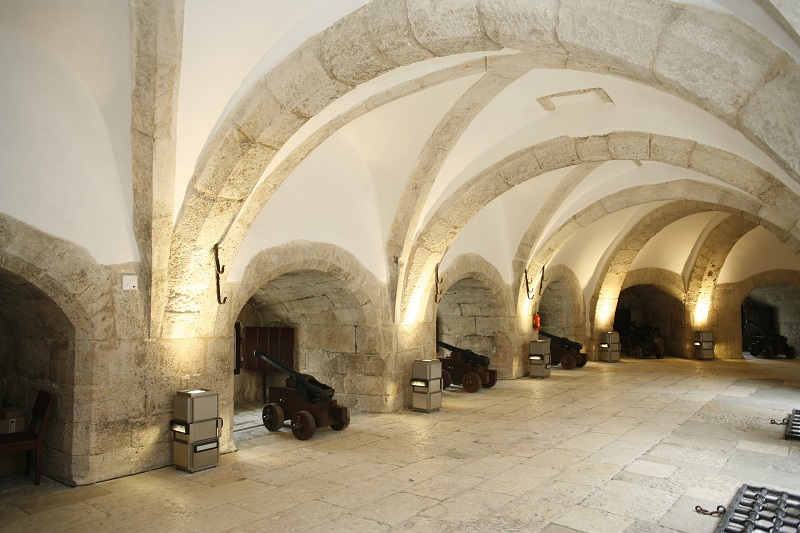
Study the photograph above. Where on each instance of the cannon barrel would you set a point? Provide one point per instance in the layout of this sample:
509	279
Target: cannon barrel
771	335
467	355
563	341
313	389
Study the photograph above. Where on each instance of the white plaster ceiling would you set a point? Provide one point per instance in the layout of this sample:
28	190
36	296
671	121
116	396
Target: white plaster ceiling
347	191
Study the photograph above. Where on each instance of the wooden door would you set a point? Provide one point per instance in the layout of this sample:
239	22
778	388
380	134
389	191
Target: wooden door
278	343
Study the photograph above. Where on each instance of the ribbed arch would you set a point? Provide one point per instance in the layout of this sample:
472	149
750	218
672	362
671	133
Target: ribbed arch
396	32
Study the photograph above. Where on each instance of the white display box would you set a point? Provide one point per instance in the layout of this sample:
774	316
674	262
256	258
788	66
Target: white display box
704	355
540	347
426	369
610	338
609	356
703	336
194	456
421	401
540	371
426	386
540	359
195	432
195	405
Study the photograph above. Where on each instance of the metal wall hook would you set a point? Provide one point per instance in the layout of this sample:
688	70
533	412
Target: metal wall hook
217	271
528	286
437	295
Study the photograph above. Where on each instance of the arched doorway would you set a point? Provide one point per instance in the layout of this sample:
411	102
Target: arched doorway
467	317
37	351
312	318
654	313
770	325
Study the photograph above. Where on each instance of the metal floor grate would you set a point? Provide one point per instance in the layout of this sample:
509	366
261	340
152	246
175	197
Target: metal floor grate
793	428
761	509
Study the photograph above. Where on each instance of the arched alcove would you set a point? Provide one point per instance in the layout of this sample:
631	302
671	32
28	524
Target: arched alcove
37	351
331	336
771	309
561	306
647	307
467	317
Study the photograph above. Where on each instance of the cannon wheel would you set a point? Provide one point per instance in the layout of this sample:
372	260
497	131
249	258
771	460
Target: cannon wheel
338	426
791	353
471	382
769	352
272	416
491	379
754	350
447	380
636	351
568	361
303	425
659	352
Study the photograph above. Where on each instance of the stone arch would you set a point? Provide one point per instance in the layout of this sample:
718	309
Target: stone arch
703	278
338	309
728	300
614	272
651	306
64	297
475	311
766	196
671	284
561	304
390	33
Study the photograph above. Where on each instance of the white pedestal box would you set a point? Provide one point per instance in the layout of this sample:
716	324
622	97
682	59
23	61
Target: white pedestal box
703	345
426	385
539	357
423	401
195	429
610	347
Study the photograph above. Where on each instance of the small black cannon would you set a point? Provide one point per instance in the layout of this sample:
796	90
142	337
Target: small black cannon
645	341
769	344
565	352
308	403
466	368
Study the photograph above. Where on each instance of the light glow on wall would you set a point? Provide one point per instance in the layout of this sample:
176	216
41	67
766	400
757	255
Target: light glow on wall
701	311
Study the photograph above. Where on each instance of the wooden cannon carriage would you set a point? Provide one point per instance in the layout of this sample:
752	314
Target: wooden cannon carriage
305	401
466	368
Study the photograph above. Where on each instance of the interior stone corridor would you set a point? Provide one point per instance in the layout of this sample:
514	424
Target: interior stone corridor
626	447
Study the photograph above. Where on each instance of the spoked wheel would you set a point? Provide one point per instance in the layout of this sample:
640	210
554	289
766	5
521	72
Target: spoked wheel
755	350
769	352
568	361
447	379
471	382
272	416
791	353
338	426
492	376
303	425
636	352
582	362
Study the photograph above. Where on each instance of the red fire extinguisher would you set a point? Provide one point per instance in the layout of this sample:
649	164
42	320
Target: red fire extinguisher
537	321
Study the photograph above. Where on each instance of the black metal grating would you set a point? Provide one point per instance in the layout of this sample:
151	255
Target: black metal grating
761	509
793	428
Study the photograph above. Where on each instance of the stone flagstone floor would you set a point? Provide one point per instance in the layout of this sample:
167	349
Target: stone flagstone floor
626	447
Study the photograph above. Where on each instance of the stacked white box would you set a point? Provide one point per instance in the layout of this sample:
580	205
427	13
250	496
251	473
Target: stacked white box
703	345
195	429
609	347
426	385
540	359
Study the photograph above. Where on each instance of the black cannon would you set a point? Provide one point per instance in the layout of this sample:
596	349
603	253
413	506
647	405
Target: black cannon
466	368
769	344
565	352
308	403
645	341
